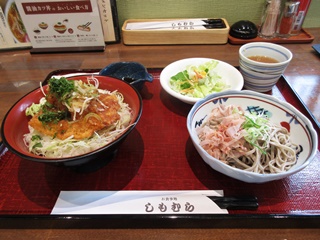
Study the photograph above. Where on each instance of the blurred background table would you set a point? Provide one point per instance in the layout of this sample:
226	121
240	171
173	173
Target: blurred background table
21	72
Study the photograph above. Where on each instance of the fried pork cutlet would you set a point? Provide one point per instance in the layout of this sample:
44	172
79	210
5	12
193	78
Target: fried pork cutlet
99	114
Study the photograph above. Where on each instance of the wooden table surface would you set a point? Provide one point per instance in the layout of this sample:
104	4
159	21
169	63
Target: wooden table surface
21	72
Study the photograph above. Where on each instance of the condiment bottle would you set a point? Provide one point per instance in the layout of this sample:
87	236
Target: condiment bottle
288	17
300	16
269	21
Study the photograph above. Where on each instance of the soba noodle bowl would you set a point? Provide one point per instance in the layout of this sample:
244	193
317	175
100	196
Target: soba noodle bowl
247	141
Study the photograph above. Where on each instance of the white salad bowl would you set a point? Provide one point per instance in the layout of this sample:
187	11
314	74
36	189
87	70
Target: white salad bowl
280	113
227	72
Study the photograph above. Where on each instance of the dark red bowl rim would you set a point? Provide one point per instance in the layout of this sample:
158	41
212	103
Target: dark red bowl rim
78	157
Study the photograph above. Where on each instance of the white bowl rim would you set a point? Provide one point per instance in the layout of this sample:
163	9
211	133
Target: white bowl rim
191	100
267	44
260	177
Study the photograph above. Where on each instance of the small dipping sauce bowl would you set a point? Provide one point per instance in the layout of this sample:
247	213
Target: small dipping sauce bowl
262	64
133	73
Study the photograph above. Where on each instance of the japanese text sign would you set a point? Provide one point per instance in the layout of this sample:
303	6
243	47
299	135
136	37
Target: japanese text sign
62	24
137	202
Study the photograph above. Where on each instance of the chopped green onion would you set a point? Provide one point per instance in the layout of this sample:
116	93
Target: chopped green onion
255	127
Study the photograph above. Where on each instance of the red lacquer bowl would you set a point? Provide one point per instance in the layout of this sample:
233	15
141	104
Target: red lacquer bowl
15	124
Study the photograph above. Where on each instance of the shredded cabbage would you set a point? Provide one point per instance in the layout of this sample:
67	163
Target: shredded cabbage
198	81
43	145
53	147
35	107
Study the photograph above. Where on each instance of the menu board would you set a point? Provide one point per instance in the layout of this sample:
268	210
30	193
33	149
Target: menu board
62	26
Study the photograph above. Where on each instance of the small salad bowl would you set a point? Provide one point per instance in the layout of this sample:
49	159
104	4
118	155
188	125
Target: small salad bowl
226	74
280	113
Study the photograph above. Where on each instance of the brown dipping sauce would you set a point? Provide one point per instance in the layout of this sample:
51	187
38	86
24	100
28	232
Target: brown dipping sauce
263	59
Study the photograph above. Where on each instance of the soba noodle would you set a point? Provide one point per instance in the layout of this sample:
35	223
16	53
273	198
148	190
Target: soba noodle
247	141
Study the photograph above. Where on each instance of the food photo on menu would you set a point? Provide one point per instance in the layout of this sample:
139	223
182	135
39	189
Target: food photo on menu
16	33
49	25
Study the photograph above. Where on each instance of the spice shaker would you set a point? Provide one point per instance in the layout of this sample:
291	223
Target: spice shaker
270	17
287	19
300	16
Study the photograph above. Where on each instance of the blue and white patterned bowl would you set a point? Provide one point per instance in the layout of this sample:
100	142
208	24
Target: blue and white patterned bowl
276	51
281	113
259	82
259	76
